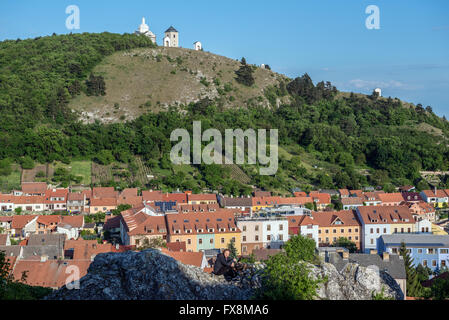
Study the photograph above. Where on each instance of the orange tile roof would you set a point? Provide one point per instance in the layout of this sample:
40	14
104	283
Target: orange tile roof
103	202
438	194
51	274
391	197
343	192
29	200
386	214
104	192
85	249
188	258
129	192
7	198
321	198
48	220
328	219
153	225
131	200
18	222
152	195
34	187
74	221
203	197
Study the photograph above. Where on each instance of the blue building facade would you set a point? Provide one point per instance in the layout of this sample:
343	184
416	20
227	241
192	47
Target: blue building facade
428	250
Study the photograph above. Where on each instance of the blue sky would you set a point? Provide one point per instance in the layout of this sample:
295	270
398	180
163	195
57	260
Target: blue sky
408	57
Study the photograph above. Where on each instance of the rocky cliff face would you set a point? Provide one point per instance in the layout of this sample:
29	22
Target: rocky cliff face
152	275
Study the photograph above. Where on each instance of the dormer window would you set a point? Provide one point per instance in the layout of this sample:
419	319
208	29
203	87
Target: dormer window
222	230
200	230
211	230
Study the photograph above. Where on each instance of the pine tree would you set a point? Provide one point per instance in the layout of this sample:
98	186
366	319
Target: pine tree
414	288
233	249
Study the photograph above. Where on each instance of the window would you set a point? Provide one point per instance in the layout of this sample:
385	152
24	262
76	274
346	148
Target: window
434	263
244	238
222	240
256	228
372	241
402	230
409	230
350	230
189	241
244	228
200	241
371	230
419	250
281	237
430	251
443	263
211	241
334	230
377	230
327	240
444	251
395	230
385	230
394	250
342	230
256	238
269	238
268	227
356	238
281	227
327	231
319	231
424	263
244	248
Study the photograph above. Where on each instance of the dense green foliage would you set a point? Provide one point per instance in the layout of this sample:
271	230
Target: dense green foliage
414	288
345	135
346	243
286	276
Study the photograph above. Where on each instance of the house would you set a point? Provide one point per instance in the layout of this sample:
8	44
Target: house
112	226
411	197
262	232
260	193
76	202
371	198
435	197
322	200
351	203
243	204
344	193
29	203
47	224
202	198
19	223
406	189
69	231
422	210
428	250
197	259
6	202
199	231
102	205
337	224
303	225
391	264
380	220
56	199
135	225
391	199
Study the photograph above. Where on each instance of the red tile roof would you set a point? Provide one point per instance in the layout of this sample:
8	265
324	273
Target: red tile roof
74	221
104	192
176	246
386	214
391	197
18	222
50	274
329	219
203	197
85	249
34	187
188	258
103	202
29	200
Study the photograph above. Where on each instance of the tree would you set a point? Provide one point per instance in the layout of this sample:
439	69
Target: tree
18	210
287	275
243	61
346	243
440	289
95	86
414	288
232	249
245	75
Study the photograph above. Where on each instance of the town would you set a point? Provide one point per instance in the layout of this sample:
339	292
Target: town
45	230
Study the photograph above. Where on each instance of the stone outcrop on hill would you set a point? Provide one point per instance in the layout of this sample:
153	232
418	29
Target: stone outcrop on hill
152	275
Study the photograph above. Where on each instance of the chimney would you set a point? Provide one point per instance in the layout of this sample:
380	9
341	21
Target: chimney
44	258
386	256
345	255
373	251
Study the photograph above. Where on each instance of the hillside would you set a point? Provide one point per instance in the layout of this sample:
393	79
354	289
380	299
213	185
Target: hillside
141	93
150	80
